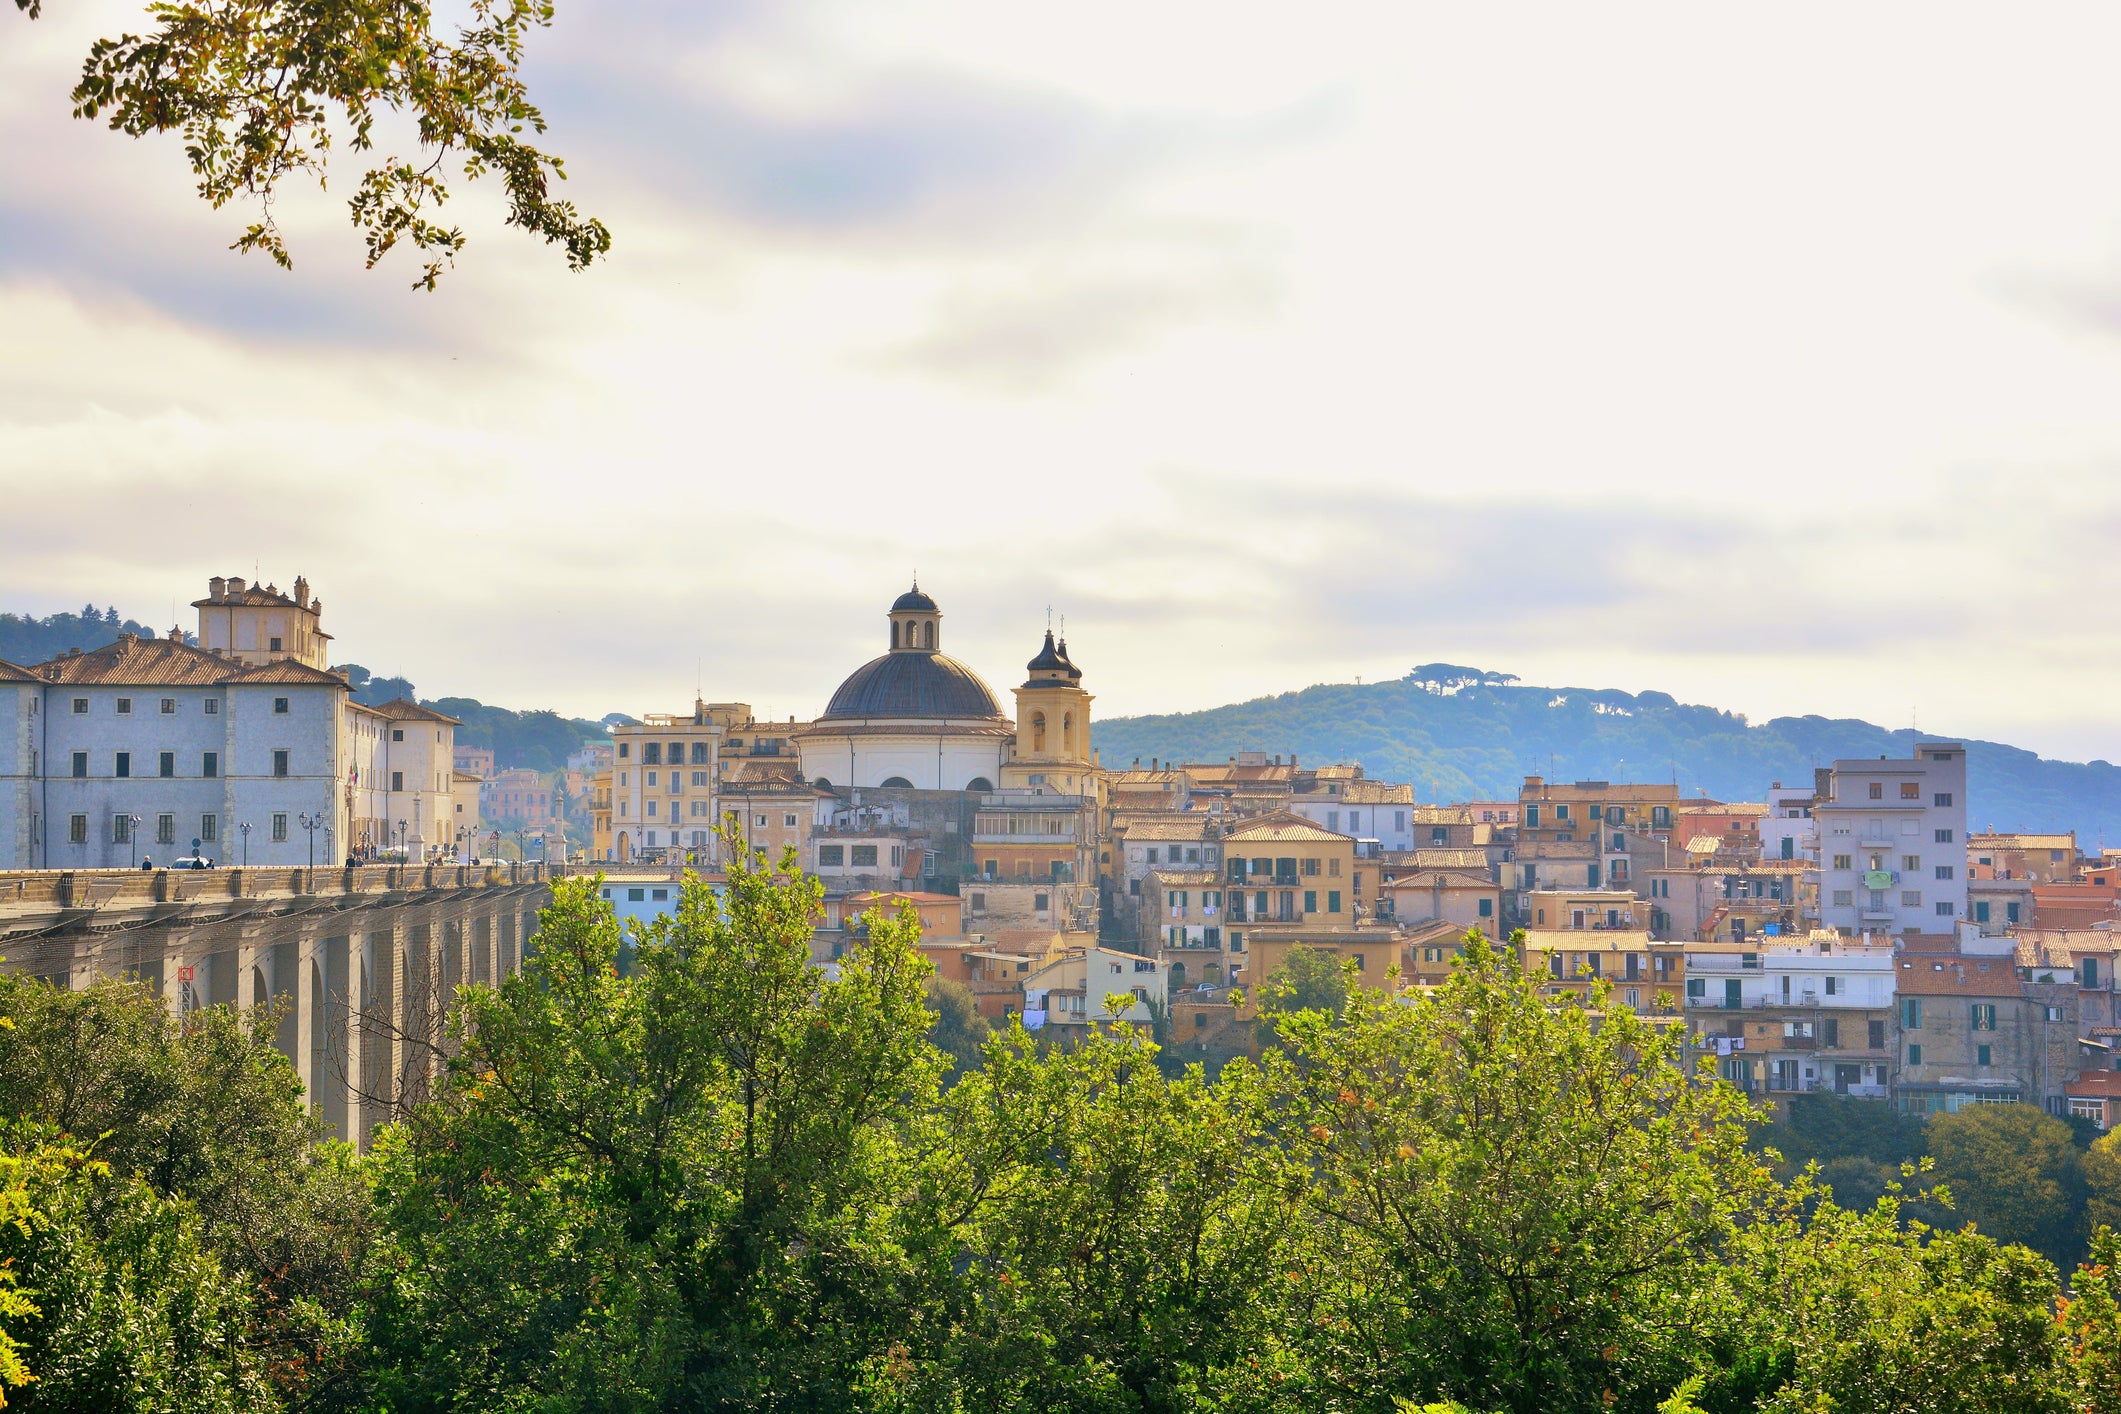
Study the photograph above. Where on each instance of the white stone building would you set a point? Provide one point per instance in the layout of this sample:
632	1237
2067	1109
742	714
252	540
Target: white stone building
1892	843
1787	831
153	749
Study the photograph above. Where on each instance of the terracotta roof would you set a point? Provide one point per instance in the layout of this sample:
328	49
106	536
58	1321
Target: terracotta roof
164	662
1284	826
1376	793
1449	878
2059	947
1193	828
10	673
1234	774
1951	975
1585	940
398	709
2095	1084
1442	814
900	895
1450	859
1183	878
263	595
2010	840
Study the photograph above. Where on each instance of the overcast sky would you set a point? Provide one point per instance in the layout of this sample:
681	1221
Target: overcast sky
1768	359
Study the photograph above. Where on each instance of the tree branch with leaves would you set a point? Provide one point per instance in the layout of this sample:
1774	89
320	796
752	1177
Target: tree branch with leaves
260	90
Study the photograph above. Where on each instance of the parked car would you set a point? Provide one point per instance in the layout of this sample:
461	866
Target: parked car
193	862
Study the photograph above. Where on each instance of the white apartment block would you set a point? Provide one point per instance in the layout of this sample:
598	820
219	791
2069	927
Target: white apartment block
153	749
1892	844
1786	832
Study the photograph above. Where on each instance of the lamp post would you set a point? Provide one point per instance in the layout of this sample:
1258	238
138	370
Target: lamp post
244	828
132	837
311	824
401	836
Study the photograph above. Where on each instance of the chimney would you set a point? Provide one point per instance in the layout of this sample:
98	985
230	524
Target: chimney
300	593
217	588
235	588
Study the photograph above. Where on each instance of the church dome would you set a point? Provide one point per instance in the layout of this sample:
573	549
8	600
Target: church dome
913	685
913	601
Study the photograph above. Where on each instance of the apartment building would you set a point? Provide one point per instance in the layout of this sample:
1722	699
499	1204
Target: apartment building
1283	870
1786	829
2041	858
1602	813
665	796
1973	1031
1365	809
1646	977
1892	843
1795	1014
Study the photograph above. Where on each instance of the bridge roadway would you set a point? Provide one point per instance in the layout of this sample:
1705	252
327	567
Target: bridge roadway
357	965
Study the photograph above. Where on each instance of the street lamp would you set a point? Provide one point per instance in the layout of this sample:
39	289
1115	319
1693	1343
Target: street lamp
401	836
245	829
132	836
311	824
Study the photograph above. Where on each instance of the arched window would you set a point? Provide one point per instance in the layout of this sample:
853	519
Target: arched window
897	783
894	633
822	784
1067	731
928	634
1038	731
979	783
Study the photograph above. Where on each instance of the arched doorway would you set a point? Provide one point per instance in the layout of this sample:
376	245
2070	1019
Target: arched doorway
979	783
897	783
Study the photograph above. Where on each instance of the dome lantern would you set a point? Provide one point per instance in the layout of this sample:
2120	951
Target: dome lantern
916	622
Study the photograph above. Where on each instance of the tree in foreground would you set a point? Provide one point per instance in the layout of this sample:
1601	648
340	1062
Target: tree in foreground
198	1113
2014	1171
1510	1202
684	1188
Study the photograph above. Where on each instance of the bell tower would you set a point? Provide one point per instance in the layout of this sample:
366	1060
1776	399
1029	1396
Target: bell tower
1052	726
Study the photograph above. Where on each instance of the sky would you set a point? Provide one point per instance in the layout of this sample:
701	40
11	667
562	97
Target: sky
1764	358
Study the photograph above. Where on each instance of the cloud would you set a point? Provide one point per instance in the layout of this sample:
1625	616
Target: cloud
1032	331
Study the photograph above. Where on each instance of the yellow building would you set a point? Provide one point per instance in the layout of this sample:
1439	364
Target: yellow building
666	801
1581	908
1648	977
1374	953
774	809
600	842
1281	869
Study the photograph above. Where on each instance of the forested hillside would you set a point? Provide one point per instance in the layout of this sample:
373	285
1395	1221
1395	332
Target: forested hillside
540	740
26	639
1460	734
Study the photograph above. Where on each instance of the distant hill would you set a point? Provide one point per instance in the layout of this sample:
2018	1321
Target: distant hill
541	741
1462	734
26	639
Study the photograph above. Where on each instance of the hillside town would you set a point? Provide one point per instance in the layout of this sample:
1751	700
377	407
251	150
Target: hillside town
1849	934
